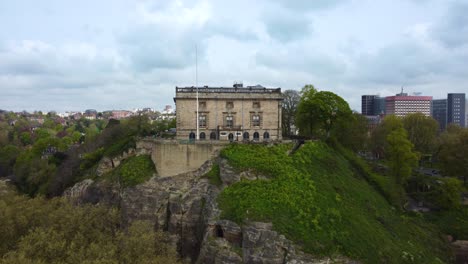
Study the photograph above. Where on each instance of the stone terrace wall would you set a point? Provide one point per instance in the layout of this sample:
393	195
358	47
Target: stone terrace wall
172	157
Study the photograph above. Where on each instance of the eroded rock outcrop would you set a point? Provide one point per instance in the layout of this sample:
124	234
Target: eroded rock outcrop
185	206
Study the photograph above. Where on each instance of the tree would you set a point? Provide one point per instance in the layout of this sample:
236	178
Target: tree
352	132
291	100
319	111
453	155
379	135
401	158
422	131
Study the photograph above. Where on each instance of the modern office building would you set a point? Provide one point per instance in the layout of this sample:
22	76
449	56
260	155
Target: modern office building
379	106
372	105
439	112
456	109
367	105
229	113
403	104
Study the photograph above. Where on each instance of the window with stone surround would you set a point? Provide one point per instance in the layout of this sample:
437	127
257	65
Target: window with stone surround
202	121
229	121
255	120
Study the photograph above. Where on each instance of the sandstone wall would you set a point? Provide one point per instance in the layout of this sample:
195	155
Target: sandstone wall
173	158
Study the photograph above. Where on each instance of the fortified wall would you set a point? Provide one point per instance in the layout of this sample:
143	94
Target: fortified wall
173	157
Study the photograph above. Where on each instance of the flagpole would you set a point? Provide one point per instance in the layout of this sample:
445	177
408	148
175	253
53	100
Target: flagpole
196	85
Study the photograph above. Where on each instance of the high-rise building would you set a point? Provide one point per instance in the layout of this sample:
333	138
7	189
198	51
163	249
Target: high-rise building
379	106
372	105
403	104
456	109
439	112
466	113
367	105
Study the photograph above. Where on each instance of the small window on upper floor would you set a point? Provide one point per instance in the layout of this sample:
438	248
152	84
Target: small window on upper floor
202	105
256	105
229	105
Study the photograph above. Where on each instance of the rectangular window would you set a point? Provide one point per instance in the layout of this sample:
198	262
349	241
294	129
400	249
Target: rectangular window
202	121
256	105
229	105
202	105
229	121
255	120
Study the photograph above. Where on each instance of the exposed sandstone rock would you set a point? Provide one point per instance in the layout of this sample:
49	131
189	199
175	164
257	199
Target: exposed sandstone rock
226	242
461	251
104	166
185	206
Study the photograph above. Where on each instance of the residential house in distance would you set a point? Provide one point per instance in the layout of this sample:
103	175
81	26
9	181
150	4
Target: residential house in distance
235	113
168	113
90	114
121	114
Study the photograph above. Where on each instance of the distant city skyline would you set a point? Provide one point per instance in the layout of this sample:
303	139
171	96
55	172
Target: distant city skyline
124	54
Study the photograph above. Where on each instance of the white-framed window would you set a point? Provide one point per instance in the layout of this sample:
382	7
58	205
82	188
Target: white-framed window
229	121
256	120
202	121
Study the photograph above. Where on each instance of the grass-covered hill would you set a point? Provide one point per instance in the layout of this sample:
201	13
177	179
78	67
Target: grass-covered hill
320	200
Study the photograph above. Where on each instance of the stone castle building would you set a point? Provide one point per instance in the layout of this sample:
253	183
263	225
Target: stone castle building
237	113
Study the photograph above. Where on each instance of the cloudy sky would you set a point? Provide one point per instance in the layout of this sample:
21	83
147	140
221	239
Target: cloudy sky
116	54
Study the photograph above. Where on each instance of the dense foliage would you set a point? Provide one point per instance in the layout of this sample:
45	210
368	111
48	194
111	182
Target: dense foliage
133	170
53	231
319	111
318	199
45	154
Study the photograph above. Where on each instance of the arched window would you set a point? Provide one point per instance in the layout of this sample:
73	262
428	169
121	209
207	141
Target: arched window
231	137
213	136
246	136
202	136
192	136
266	136
256	136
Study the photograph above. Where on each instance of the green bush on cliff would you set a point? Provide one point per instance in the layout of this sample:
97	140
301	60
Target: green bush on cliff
133	171
318	199
213	175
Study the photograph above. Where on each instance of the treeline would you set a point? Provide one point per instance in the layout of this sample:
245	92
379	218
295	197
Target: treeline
38	230
47	158
404	149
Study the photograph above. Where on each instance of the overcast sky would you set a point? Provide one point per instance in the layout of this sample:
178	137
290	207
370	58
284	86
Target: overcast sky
115	54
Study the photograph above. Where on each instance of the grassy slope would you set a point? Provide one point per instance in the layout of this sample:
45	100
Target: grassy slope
316	199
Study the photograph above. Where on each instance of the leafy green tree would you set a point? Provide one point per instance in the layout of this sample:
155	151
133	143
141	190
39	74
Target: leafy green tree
401	158
453	155
8	156
25	138
352	132
422	131
291	100
379	135
319	111
91	132
54	231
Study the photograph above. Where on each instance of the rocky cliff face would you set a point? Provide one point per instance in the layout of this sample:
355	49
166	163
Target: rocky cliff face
185	206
